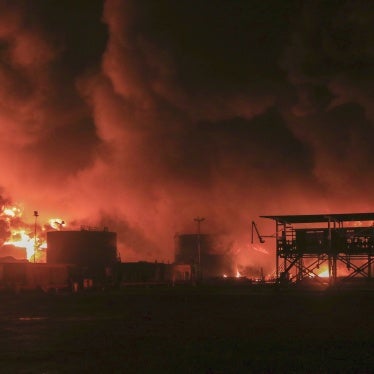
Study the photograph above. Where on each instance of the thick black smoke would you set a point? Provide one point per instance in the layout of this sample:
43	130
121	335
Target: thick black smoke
141	115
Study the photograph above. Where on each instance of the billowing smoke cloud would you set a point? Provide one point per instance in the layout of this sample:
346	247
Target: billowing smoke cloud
141	116
329	63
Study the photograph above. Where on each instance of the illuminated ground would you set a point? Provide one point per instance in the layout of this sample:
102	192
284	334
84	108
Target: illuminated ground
188	330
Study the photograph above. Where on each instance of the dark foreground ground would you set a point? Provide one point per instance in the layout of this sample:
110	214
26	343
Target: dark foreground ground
188	330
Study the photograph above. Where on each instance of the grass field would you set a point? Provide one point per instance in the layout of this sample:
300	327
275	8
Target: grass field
188	330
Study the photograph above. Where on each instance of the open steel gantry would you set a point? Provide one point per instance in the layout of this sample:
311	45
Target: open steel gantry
343	244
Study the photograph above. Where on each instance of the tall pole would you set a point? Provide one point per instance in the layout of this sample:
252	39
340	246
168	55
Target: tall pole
198	220
36	214
277	251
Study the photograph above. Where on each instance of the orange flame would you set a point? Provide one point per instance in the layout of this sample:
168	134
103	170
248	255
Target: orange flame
324	272
11	212
57	223
19	238
24	237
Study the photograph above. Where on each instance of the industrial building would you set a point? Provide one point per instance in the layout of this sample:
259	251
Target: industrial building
326	249
343	244
143	272
25	276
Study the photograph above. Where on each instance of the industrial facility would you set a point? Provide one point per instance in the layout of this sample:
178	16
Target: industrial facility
342	244
27	276
75	260
333	249
142	272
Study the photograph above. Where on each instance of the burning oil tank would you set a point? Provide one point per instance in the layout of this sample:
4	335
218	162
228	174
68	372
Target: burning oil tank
90	249
209	251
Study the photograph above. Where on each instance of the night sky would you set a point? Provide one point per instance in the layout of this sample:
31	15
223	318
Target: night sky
141	115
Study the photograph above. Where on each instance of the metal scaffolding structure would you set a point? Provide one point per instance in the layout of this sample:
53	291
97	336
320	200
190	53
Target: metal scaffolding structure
341	243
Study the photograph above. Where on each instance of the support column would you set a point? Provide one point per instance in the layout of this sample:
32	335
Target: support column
276	251
329	252
300	274
369	266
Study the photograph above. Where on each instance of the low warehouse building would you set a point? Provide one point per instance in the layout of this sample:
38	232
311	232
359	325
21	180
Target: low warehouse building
22	276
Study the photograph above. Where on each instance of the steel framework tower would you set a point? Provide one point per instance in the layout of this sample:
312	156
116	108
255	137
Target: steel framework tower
342	243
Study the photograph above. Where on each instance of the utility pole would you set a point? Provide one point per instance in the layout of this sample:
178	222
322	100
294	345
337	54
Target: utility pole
36	214
198	220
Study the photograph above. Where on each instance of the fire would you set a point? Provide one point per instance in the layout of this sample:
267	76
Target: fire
324	272
19	238
57	223
237	275
11	212
27	236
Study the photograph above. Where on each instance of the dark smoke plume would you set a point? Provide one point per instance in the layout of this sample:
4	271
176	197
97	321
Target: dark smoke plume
143	115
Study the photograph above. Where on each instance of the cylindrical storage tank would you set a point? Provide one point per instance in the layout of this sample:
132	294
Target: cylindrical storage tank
187	247
215	259
94	250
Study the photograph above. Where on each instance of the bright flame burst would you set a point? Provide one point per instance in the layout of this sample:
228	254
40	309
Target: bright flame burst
57	223
237	275
11	212
324	273
19	238
27	236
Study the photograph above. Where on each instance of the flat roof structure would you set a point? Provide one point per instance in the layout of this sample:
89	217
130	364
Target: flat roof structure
306	244
316	218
